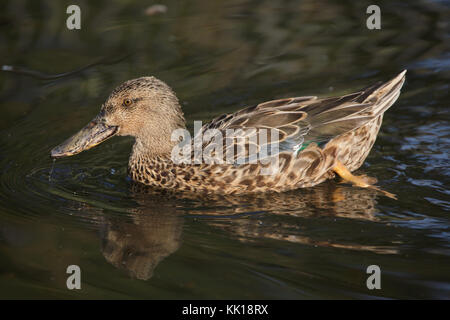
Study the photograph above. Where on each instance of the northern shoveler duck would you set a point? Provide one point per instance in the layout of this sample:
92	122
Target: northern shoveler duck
316	138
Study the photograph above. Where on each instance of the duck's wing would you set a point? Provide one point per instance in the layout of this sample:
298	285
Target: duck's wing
267	128
294	123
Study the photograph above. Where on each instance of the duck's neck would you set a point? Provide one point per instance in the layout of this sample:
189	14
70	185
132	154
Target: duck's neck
143	152
143	163
156	141
153	144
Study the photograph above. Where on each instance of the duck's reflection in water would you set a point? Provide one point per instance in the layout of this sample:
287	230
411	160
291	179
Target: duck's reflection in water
141	241
153	230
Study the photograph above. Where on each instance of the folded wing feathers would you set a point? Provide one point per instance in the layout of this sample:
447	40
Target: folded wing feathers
315	119
336	118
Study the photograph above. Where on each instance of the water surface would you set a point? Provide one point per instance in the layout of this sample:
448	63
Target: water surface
220	56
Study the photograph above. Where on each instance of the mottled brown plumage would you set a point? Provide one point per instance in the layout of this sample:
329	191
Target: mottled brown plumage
313	135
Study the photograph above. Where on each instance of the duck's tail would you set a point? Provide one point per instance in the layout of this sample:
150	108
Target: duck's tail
381	95
332	117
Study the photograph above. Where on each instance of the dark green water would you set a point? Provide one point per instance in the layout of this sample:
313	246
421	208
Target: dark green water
220	56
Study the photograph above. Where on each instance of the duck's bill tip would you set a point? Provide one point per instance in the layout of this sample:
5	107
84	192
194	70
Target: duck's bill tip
88	137
58	153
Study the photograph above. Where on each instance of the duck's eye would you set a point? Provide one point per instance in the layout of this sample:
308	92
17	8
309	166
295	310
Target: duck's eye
127	102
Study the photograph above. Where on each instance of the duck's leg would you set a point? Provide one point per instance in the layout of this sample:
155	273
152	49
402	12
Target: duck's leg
362	181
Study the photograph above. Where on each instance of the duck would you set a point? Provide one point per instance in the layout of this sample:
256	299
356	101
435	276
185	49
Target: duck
311	139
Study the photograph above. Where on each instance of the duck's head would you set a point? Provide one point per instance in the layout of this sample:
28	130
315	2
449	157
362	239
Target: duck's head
145	108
